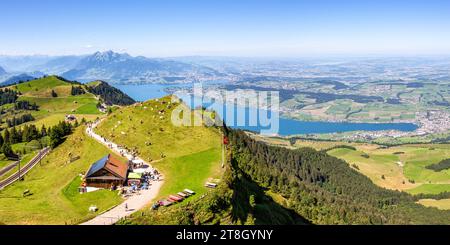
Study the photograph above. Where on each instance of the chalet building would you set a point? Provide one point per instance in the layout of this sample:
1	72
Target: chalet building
106	172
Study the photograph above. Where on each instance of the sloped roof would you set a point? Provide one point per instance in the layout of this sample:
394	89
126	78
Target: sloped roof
111	164
116	166
97	166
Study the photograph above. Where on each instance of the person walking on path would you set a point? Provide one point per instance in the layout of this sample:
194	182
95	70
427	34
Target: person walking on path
126	207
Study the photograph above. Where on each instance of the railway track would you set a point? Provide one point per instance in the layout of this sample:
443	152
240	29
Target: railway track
7	168
25	169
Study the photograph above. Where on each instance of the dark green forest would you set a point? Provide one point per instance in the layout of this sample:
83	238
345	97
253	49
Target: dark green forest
315	188
324	189
8	96
110	95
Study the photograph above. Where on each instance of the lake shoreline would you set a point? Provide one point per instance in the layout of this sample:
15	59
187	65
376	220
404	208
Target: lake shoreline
287	126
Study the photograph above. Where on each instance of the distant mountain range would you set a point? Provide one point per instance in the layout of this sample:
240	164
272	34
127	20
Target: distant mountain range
111	67
2	71
16	78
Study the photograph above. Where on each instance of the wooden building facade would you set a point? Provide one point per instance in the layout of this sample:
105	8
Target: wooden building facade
107	172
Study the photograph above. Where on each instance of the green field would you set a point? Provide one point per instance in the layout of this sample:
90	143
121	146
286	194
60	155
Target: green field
54	109
191	171
39	86
381	168
406	101
23	160
53	186
404	170
443	204
430	189
4	161
186	156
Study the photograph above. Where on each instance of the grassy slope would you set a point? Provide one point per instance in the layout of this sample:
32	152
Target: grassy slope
415	158
39	86
24	160
52	110
4	161
443	204
54	200
192	153
375	167
230	203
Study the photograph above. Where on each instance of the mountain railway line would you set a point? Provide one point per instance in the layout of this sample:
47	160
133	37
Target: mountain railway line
6	169
16	176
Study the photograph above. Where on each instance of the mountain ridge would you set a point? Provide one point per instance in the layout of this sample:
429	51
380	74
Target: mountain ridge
109	66
117	67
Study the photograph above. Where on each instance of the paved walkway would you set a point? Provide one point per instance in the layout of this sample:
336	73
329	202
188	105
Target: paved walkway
135	201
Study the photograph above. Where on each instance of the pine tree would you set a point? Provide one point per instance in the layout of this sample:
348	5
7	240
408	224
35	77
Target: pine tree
14	136
6	136
7	150
43	131
26	134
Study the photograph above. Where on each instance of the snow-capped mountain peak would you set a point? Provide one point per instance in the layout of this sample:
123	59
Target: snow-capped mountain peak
108	56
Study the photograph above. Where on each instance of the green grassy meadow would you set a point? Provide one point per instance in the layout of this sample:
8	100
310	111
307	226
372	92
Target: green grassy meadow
443	204
53	185
190	171
53	109
4	161
405	170
186	156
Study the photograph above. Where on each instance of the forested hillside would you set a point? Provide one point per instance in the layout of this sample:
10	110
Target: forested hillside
110	95
273	185
324	189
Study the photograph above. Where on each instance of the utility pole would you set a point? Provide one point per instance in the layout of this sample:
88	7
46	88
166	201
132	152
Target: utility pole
223	149
19	167
40	158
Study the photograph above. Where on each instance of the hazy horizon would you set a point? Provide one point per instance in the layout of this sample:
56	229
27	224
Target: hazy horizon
299	57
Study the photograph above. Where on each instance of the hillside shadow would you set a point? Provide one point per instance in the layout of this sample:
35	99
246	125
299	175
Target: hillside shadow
264	210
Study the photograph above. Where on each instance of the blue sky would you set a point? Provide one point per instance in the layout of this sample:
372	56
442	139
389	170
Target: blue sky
226	27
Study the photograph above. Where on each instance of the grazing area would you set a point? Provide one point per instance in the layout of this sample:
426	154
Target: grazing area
55	99
382	169
403	167
443	204
186	156
52	185
190	171
410	168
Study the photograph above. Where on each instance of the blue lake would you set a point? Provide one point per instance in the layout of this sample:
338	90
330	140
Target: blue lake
282	127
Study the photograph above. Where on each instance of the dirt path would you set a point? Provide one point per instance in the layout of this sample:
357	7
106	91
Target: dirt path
132	203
